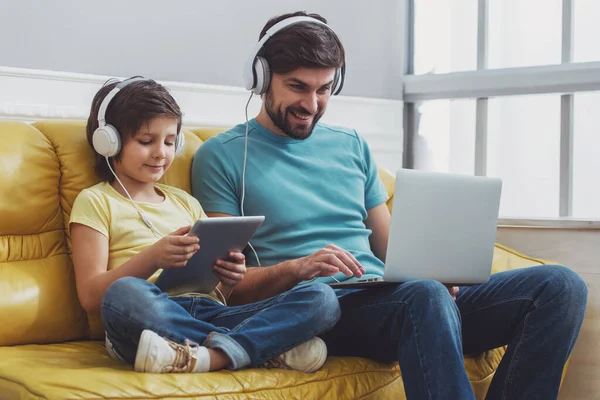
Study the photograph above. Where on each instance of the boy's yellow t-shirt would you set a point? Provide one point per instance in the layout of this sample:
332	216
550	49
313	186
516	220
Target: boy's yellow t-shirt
105	210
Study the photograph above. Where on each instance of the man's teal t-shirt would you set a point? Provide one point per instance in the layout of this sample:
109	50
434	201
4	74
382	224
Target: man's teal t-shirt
313	192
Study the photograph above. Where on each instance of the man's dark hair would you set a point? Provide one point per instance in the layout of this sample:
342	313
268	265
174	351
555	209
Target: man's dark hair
302	45
134	105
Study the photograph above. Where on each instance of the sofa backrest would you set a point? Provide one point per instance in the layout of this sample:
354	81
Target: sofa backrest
43	167
38	302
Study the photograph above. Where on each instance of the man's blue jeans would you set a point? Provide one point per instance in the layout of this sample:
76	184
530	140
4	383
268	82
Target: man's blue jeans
250	335
536	311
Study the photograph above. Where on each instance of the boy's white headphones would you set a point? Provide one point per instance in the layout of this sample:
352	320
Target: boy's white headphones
257	73
106	139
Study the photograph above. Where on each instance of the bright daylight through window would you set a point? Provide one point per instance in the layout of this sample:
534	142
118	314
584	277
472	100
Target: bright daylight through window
501	88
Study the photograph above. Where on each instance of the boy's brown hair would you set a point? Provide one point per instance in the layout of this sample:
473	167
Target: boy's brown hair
134	105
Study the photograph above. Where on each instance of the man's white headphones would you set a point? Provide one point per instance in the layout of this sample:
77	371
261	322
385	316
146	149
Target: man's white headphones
257	73
106	139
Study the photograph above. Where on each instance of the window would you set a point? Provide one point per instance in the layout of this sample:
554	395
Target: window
445	139
509	76
524	33
586	160
524	150
587	29
445	36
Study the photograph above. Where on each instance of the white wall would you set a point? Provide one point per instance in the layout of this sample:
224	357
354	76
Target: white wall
32	95
192	40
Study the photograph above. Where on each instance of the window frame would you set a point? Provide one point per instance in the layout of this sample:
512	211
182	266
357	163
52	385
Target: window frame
564	79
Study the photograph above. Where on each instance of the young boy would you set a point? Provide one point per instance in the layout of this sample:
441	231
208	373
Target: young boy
128	228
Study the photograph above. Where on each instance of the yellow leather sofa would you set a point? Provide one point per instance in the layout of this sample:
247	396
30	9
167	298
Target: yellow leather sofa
51	349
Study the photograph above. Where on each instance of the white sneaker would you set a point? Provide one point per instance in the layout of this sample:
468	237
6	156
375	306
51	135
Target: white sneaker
109	348
159	355
306	357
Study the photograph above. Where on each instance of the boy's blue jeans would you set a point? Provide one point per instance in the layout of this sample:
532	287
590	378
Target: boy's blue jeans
250	335
536	311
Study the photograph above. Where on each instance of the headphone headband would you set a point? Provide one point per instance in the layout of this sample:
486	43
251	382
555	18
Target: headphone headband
107	99
249	72
106	140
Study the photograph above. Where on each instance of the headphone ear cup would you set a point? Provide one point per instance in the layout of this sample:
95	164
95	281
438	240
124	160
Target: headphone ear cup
106	141
262	74
179	144
338	81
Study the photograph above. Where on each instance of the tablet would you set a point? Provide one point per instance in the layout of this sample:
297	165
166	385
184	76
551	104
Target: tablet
218	236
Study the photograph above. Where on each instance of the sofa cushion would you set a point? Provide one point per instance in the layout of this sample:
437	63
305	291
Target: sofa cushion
206	133
506	259
84	370
38	301
74	165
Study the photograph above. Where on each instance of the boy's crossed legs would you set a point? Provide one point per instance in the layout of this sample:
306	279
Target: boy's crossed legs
268	332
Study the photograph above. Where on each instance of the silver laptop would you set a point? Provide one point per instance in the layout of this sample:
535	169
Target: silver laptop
443	228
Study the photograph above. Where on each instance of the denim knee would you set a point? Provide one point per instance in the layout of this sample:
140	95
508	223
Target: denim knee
428	293
571	288
130	295
123	289
325	307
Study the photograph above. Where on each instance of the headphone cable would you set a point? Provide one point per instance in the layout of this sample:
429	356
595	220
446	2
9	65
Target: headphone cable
149	224
244	176
144	218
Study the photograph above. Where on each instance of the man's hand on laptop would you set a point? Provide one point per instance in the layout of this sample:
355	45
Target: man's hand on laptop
327	262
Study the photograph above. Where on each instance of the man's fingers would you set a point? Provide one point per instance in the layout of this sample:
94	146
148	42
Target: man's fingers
358	264
348	259
332	259
350	263
326	269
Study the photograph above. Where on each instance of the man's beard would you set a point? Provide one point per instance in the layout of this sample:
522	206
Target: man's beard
281	119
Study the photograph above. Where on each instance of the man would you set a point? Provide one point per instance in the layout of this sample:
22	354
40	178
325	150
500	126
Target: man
326	220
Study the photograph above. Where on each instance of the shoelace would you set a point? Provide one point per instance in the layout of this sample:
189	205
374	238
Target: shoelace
276	363
184	360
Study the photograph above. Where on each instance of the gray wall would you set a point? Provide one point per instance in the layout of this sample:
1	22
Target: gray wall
192	40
